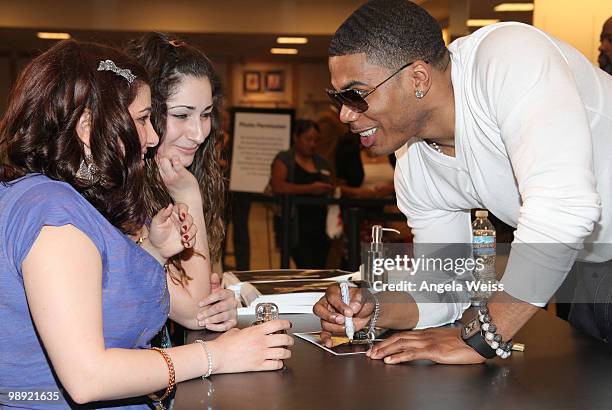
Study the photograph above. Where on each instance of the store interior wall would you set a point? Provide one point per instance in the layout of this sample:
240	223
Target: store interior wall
305	76
576	22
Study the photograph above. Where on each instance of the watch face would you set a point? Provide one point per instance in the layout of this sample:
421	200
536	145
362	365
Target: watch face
470	329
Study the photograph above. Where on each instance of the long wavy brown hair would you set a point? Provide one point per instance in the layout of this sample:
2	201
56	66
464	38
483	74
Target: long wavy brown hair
168	61
38	130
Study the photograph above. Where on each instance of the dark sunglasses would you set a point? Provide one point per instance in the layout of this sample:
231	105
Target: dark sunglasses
355	99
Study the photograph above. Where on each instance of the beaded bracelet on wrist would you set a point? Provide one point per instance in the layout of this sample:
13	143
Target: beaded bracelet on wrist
208	356
494	340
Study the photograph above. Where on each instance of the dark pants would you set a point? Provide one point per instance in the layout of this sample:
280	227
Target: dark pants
311	250
591	309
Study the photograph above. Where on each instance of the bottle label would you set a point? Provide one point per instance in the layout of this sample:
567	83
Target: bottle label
484	241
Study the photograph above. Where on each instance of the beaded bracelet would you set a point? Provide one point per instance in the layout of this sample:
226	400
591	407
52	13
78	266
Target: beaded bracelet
494	340
209	355
171	378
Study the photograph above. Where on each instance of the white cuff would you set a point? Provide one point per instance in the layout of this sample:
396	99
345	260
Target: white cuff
434	314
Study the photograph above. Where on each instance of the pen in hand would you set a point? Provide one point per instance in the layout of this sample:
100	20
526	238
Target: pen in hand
348	321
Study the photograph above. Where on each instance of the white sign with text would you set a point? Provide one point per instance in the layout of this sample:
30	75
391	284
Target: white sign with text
258	137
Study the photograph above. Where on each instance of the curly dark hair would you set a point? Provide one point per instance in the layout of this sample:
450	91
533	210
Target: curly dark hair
391	33
38	131
168	61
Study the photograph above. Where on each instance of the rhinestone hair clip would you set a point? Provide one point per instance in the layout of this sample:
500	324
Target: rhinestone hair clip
109	65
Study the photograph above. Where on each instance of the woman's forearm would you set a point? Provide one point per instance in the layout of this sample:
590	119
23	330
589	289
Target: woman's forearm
196	263
288	188
121	373
356	192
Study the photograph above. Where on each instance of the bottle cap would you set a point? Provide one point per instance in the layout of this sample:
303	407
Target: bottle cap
482	214
266	312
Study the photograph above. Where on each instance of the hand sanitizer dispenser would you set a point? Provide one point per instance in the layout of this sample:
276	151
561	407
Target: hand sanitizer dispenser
375	252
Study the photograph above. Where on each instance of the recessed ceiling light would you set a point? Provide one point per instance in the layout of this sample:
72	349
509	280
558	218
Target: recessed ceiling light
514	7
283	50
52	36
481	22
291	40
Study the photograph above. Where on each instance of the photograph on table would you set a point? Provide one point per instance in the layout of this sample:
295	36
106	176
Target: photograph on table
341	346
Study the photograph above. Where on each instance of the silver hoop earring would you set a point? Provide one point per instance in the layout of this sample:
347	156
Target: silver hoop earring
419	94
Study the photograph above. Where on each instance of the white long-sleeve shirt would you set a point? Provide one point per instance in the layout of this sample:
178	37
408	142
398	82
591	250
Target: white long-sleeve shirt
533	144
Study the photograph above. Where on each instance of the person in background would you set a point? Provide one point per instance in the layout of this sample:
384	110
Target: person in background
349	168
605	47
302	171
223	148
362	176
332	130
239	210
377	180
82	297
239	205
224	145
186	103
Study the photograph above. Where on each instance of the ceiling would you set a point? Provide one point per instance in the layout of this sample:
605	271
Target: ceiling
217	45
228	41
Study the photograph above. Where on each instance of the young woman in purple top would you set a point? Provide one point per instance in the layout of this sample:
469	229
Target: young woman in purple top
79	300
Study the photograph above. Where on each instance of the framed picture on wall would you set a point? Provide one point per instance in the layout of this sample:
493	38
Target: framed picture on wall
275	81
251	81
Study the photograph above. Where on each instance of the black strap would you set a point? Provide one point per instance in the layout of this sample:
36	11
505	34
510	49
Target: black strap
478	343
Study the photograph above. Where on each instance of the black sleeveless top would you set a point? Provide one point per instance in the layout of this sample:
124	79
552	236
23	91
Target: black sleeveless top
311	217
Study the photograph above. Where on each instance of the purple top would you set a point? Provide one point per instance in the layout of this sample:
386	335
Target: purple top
135	298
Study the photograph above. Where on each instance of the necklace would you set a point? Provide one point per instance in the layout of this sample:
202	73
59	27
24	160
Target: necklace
436	147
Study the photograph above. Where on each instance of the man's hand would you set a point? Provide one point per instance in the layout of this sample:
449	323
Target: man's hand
332	311
442	345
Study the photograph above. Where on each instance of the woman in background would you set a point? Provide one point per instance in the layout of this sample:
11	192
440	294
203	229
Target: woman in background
301	171
82	300
186	104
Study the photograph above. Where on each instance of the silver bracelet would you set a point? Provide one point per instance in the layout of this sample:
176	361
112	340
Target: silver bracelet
209	355
372	326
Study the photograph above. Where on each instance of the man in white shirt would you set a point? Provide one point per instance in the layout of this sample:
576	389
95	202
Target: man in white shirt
508	119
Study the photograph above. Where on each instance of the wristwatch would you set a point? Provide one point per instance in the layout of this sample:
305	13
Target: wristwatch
473	337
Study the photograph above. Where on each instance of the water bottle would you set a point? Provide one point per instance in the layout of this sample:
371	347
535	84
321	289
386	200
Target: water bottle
483	249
